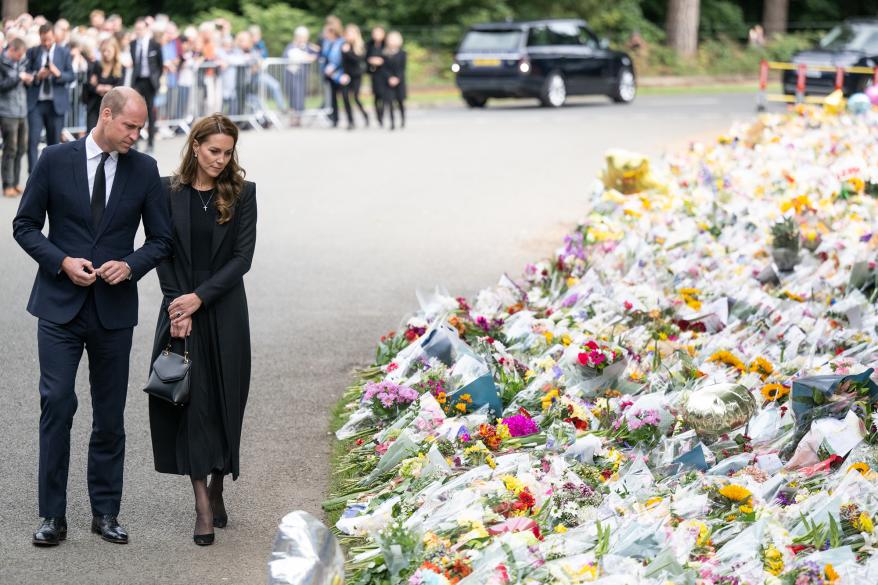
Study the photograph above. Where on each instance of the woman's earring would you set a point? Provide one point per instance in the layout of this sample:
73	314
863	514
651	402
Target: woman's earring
196	155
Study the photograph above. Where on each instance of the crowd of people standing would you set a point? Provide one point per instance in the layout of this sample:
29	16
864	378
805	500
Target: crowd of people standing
346	58
49	69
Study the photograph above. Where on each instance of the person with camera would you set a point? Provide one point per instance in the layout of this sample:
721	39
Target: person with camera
13	114
48	96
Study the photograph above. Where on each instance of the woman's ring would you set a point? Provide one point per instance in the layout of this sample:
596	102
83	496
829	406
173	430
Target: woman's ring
179	314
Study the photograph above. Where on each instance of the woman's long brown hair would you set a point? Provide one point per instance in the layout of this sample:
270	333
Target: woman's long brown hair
230	182
114	67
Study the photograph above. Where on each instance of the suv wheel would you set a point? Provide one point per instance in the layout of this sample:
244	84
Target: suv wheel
554	92
475	101
626	87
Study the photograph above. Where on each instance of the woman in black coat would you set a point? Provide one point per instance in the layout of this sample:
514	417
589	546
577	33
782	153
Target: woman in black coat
213	211
394	65
353	62
375	69
103	75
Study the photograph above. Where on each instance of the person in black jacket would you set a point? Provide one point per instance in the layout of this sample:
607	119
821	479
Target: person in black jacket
213	212
48	95
377	73
147	66
103	76
13	114
353	62
394	63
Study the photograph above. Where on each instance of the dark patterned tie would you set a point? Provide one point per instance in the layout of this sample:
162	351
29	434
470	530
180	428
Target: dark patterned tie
99	193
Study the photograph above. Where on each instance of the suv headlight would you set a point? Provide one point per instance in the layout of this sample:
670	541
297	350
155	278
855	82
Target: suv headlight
455	67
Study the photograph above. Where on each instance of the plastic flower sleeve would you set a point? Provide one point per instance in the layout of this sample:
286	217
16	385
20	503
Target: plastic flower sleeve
404	446
305	552
812	391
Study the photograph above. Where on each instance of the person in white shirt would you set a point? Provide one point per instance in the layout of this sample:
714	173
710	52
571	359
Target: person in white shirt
147	66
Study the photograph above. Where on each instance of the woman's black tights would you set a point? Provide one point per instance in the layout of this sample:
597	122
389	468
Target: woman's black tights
352	90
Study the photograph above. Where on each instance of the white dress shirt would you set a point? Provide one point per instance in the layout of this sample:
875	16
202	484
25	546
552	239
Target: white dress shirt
93	159
143	48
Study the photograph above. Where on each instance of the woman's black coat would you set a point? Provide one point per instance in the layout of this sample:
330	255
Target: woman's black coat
233	244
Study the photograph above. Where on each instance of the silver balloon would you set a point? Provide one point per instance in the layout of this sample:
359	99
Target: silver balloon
720	408
305	553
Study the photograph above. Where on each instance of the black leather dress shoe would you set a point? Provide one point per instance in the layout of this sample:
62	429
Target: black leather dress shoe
51	532
109	529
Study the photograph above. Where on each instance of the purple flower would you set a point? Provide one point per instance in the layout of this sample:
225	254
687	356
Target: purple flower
570	301
520	425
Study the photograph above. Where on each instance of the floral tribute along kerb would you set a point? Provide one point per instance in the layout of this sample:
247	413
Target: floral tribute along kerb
682	394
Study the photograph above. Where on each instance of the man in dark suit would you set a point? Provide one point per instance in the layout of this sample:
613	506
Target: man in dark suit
146	73
47	95
95	192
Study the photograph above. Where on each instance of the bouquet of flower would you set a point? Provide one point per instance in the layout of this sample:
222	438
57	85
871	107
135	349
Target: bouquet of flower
596	357
386	399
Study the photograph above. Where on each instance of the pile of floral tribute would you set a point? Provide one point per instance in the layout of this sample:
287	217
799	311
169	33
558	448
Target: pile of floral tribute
658	402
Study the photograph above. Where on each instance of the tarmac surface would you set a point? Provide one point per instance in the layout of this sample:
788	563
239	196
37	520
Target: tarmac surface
351	224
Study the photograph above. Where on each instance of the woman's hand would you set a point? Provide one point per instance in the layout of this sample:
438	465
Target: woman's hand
393	81
184	307
181	329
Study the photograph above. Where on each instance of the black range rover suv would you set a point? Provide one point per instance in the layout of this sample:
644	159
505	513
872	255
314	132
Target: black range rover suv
545	59
854	43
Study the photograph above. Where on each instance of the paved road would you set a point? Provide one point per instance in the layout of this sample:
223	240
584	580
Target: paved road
351	224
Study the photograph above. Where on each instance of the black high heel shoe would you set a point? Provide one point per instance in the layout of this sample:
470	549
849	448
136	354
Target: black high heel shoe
220	517
204	539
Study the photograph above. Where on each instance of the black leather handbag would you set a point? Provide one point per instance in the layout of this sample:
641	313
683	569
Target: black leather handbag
169	379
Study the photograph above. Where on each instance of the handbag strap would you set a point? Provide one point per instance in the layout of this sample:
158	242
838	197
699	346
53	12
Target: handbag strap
185	348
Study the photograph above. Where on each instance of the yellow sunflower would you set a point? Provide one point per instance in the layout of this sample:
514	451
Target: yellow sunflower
727	358
773	392
735	492
863	468
762	366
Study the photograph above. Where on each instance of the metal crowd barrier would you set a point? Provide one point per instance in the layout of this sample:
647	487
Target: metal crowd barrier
75	119
265	94
260	95
802	72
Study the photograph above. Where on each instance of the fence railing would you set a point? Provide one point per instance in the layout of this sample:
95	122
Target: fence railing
263	94
824	79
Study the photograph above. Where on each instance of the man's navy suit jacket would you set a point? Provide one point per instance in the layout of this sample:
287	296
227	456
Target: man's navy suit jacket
58	188
33	62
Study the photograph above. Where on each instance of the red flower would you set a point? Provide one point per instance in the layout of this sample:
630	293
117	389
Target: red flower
391	366
628	305
591	345
490	340
526	498
797	548
583	358
411	335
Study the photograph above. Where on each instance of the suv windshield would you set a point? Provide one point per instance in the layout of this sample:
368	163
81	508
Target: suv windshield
851	38
495	41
